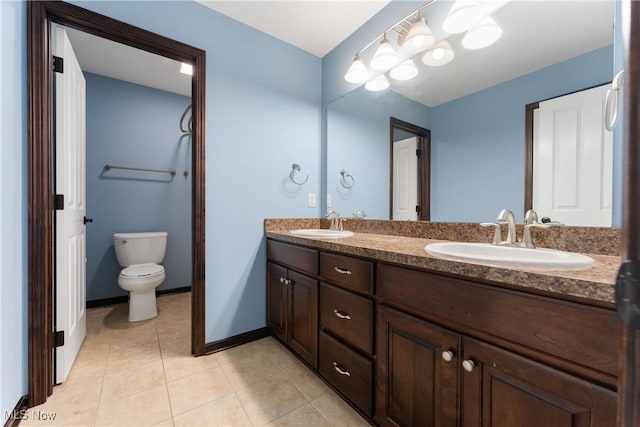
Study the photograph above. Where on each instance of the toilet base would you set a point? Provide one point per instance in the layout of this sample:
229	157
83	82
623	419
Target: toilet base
142	306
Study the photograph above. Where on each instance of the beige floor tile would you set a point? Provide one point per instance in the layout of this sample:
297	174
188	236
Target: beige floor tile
307	382
91	363
140	333
247	370
306	416
129	357
252	349
183	366
133	380
194	390
270	399
165	423
145	408
175	346
337	412
171	328
226	411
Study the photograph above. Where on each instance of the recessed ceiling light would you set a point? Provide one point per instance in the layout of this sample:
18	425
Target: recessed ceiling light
186	69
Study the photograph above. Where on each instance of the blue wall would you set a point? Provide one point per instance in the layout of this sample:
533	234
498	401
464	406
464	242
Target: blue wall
358	128
477	141
133	125
262	114
13	215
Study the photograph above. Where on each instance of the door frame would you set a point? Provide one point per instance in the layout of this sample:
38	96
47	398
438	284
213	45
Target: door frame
40	16
424	166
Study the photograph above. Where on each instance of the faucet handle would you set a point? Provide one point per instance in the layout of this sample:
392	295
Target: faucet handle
497	233
531	217
527	240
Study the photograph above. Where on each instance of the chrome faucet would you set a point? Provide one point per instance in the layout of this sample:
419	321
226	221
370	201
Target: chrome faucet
507	217
334	217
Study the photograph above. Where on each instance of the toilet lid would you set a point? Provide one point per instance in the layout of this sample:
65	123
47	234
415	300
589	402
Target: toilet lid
142	270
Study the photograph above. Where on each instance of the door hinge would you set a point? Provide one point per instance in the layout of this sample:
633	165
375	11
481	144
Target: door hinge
58	64
418	152
58	339
418	208
58	202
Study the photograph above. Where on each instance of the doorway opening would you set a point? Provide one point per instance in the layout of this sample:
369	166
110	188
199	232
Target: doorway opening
409	171
41	203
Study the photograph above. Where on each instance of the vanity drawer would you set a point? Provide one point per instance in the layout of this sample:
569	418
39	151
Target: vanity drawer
347	315
297	257
347	371
347	271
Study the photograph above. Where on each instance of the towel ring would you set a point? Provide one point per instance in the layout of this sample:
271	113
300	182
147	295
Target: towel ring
612	102
296	167
188	128
345	178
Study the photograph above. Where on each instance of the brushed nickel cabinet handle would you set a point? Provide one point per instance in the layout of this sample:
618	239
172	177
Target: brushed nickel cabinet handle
282	280
341	370
341	270
447	355
468	365
342	314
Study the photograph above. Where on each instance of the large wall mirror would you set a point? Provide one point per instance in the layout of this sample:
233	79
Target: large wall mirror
474	108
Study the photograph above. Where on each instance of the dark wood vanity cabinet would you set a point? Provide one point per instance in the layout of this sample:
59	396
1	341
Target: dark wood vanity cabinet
412	348
500	388
417	371
292	299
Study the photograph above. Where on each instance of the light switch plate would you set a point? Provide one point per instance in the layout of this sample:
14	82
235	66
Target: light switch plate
311	200
328	200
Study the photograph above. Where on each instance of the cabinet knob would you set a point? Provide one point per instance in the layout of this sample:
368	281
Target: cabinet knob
341	370
282	280
287	281
342	314
468	365
342	270
447	355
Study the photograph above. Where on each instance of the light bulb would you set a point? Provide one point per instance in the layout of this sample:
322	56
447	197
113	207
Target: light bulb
418	37
377	84
440	54
357	72
486	33
385	57
405	71
462	16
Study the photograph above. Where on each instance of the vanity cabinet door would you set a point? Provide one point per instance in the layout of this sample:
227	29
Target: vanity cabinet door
303	317
417	371
500	388
277	300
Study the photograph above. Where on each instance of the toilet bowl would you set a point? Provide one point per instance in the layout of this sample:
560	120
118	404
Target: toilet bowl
141	254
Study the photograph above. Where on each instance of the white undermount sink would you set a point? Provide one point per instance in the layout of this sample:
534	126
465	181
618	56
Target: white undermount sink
322	233
486	252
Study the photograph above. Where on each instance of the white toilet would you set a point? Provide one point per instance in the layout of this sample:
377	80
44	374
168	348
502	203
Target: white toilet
141	254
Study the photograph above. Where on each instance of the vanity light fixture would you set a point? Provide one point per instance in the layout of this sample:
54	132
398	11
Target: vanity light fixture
186	69
417	37
404	71
463	15
484	34
357	72
440	54
377	84
385	57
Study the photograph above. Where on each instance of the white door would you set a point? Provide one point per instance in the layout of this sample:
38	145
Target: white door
70	238
405	180
572	160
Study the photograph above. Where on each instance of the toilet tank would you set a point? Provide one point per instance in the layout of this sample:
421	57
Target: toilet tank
140	248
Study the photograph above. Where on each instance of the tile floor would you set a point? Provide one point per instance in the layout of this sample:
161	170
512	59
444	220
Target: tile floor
134	374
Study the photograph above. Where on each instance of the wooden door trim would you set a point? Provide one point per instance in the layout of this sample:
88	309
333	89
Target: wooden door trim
424	165
40	16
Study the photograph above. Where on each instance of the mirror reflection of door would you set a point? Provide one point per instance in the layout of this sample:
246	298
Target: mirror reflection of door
572	159
410	149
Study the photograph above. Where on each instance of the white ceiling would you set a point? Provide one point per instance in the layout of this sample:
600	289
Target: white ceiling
107	58
316	26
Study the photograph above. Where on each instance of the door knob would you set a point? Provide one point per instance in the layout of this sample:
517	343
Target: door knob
86	220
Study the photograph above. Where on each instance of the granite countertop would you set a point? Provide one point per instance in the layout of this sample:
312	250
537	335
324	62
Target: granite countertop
593	285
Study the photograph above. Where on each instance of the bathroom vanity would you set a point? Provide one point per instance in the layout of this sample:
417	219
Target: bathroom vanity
412	339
